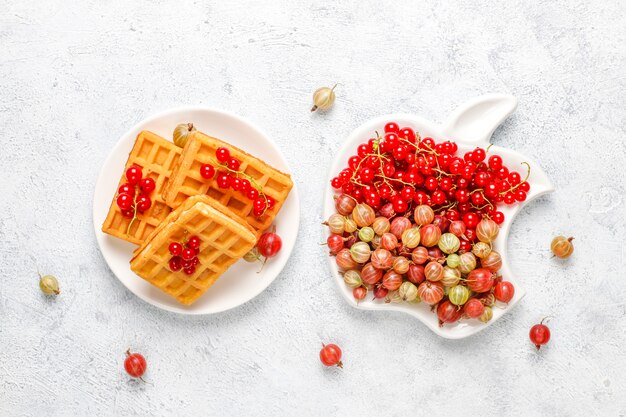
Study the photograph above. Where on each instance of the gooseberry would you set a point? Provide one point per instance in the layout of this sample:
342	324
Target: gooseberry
473	308
480	280
539	334
430	292
370	274
562	247
504	291
330	355
448	312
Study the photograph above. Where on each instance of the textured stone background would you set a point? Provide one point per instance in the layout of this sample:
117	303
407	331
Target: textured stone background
74	75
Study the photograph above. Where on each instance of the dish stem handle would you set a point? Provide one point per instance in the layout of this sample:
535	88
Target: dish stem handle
475	121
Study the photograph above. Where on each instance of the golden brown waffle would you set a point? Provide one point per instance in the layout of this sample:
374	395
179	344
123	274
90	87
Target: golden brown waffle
186	180
225	239
156	156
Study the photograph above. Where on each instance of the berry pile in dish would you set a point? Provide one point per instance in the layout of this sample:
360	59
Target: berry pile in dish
416	222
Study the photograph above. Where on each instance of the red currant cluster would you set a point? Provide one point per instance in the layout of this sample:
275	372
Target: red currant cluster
185	255
401	169
133	196
233	178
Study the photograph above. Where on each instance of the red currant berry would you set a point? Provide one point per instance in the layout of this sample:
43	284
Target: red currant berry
420	197
147	185
259	205
407	193
498	217
392	127
189	270
461	195
452	215
176	248
188	254
495	162
366	175
525	187
446	183
235	184
514	178
477	199
270	202
354	161
389	169
223	180
468	156
407	133
234	164
465	246
175	264
509	198
133	175
400	152
207	171
194	242
126	189
438	197
222	154
336	183
129	214
124	201
431	183
195	261
143	203
400	205
491	190
252	194
427	143
471	220
478	155
520	195
363	150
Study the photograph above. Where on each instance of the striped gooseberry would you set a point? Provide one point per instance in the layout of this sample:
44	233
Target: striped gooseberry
449	243
392	280
399	225
411	237
370	274
433	271
430	235
448	313
481	249
457	228
388	241
352	278
366	234
344	204
401	264
480	280
467	262
423	215
430	292
382	258
562	246
451	276
419	255
344	259
473	308
453	260
487	315
415	274
487	230
407	291
363	215
381	225
458	295
360	252
336	223
504	291
493	261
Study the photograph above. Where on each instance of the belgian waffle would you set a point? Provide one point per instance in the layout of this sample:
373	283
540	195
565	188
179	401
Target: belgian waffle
157	157
186	180
224	236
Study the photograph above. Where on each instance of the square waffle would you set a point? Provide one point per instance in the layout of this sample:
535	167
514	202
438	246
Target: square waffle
186	180
157	157
224	236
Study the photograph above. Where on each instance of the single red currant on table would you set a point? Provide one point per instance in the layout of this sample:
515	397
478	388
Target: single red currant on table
539	334
330	355
135	364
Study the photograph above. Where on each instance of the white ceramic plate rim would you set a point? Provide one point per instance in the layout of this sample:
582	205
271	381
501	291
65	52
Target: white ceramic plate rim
456	128
288	234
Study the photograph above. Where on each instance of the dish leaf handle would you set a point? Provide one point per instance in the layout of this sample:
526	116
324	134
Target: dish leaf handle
475	121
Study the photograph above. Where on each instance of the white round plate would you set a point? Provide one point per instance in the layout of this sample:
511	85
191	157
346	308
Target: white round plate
242	281
469	126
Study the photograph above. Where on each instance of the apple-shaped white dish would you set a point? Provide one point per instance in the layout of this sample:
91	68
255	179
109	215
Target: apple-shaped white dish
471	125
241	282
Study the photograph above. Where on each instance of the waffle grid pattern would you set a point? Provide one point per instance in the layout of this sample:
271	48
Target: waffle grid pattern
157	158
186	180
224	241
